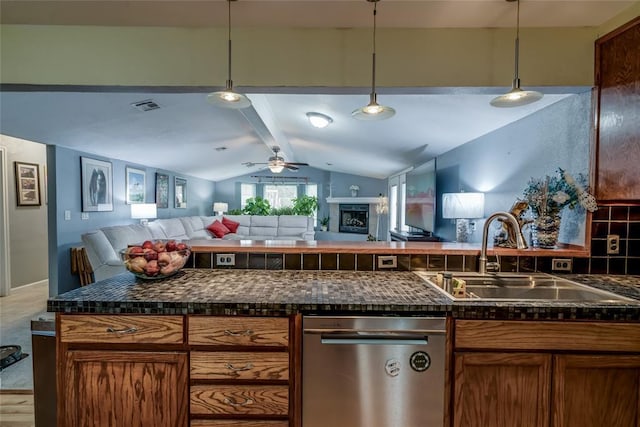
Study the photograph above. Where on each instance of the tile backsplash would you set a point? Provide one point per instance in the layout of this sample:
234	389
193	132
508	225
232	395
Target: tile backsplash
623	221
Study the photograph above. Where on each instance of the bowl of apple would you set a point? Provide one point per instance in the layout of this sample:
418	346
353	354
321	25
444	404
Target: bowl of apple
155	259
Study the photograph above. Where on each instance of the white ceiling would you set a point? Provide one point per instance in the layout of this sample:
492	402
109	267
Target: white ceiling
183	135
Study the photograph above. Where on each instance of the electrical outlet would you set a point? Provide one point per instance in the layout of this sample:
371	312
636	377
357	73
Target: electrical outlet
561	264
613	244
67	215
227	260
84	216
387	261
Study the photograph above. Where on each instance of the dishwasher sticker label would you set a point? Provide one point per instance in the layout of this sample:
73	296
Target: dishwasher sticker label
420	361
392	367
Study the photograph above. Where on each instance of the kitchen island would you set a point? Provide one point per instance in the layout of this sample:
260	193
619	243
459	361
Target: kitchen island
223	347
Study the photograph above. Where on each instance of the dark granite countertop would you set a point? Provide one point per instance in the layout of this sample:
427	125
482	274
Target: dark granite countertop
281	293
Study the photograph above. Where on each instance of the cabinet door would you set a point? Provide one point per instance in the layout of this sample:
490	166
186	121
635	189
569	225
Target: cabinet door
596	391
501	390
125	388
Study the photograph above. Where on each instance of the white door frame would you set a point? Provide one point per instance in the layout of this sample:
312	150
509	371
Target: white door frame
5	265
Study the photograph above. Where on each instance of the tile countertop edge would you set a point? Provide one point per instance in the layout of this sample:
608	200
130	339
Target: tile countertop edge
385	248
243	293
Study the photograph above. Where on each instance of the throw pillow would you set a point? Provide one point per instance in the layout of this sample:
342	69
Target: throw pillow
218	229
230	224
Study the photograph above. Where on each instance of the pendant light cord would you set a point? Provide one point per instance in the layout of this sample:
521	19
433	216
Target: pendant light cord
229	83
516	77
373	68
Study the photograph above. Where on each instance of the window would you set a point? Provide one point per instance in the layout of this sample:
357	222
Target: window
247	191
403	204
280	196
312	190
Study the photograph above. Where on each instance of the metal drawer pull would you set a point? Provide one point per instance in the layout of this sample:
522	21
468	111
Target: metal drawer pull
246	367
129	330
233	403
247	332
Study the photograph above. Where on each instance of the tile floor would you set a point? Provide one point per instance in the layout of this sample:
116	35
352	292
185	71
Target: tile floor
16	312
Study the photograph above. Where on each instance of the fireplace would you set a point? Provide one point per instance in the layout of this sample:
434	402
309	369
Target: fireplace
354	218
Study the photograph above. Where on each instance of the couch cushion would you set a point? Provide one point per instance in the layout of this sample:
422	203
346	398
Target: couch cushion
156	231
263	226
230	224
218	229
122	235
292	225
173	228
99	249
192	225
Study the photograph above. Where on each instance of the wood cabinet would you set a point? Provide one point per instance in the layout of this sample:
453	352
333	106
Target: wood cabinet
596	390
558	374
240	372
501	389
128	371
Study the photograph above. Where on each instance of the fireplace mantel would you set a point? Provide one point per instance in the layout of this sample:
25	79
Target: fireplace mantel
363	200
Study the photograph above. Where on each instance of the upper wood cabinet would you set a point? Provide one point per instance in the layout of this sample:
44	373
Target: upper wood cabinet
617	77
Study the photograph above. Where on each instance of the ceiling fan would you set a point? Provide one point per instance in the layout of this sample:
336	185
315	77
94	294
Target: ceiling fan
276	163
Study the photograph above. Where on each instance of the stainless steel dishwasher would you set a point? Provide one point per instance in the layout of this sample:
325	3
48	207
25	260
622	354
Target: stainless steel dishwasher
373	371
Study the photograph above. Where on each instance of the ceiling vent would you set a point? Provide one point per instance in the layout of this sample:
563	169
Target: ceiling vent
146	105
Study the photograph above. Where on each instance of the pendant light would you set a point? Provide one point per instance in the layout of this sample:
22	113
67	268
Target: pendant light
516	96
373	110
228	98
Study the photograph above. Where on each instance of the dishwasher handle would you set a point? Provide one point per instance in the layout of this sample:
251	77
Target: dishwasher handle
369	338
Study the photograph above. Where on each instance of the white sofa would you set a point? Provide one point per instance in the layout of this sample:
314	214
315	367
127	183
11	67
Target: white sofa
103	246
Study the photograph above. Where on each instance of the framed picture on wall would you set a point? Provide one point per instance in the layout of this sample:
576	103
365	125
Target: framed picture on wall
96	180
27	184
136	185
181	193
162	191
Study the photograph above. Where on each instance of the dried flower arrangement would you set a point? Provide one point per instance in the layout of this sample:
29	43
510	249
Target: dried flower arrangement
550	195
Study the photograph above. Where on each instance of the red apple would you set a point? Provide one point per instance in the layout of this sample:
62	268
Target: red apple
181	246
152	268
150	254
148	244
171	246
135	251
159	246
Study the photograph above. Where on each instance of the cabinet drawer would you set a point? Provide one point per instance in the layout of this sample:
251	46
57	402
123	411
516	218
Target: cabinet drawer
238	423
243	331
121	329
239	366
529	335
239	400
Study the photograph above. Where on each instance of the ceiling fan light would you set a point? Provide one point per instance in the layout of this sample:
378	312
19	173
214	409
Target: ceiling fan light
276	168
319	120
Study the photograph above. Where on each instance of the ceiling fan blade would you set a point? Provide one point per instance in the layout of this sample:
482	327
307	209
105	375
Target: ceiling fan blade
290	167
297	164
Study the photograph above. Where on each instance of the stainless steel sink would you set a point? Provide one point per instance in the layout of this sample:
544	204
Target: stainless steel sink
527	287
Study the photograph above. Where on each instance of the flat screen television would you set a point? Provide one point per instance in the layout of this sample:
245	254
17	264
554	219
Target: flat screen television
420	206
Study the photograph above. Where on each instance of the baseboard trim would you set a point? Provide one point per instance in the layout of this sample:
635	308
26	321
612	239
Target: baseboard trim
16	391
39	282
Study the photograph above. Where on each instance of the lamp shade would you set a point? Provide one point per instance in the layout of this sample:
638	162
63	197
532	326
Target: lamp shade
220	207
463	205
144	211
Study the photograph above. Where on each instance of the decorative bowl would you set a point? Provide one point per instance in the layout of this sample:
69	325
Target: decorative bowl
155	259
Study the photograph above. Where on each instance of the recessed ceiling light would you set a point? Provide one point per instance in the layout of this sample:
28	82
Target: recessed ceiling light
319	120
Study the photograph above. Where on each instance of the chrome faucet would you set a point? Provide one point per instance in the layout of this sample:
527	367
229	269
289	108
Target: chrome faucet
511	221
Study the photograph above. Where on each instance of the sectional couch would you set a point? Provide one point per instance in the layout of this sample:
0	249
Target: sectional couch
103	246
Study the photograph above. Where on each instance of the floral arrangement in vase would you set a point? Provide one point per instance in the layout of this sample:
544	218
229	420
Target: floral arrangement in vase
354	190
548	196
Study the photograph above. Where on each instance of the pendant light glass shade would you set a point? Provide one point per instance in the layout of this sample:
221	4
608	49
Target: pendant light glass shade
516	97
228	98
373	110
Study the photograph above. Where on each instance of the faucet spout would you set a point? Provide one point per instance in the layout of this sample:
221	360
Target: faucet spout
512	222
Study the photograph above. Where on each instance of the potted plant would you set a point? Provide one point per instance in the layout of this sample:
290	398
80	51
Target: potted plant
305	205
257	206
324	223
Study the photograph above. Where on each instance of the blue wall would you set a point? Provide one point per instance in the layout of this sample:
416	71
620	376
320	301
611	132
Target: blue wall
501	163
64	178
